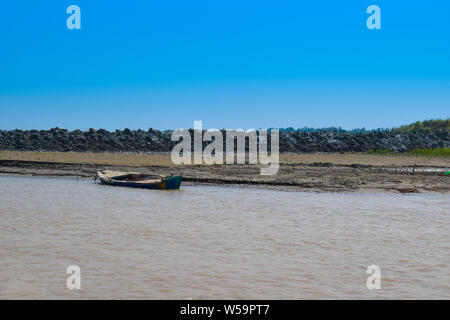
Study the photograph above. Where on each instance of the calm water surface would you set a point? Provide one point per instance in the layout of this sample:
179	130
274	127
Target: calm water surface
218	242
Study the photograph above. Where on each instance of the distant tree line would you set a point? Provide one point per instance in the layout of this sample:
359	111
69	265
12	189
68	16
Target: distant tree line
436	125
332	129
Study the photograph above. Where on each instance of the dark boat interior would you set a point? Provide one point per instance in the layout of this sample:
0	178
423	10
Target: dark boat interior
136	177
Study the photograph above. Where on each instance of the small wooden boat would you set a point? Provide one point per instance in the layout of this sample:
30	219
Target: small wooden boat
138	180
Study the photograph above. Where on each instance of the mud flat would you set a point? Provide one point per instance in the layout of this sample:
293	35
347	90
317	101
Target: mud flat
298	172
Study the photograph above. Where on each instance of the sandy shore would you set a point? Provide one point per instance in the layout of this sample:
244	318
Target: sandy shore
302	172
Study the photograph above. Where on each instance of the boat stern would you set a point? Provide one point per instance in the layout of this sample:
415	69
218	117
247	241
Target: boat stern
171	183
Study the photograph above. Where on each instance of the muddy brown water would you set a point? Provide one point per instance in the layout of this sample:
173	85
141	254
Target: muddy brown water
218	242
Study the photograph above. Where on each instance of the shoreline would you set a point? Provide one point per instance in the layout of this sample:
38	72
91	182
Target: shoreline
330	173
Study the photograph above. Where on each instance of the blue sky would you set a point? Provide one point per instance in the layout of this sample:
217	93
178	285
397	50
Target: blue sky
232	64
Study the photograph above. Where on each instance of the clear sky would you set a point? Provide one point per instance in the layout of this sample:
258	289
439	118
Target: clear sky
231	63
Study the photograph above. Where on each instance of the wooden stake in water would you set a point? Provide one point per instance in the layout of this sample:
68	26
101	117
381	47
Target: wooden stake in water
76	173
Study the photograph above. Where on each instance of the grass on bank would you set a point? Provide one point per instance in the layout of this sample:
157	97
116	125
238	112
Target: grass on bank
435	152
377	158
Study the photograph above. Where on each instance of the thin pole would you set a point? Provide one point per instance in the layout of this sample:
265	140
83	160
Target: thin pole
76	173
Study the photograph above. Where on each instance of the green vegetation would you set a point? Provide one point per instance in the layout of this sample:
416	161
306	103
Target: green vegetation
381	151
429	126
435	152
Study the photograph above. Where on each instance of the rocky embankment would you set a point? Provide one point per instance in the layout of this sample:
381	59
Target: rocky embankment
160	141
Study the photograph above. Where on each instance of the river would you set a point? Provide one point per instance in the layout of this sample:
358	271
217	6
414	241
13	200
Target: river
209	242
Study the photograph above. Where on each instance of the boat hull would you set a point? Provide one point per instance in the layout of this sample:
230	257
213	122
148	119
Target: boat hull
167	183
